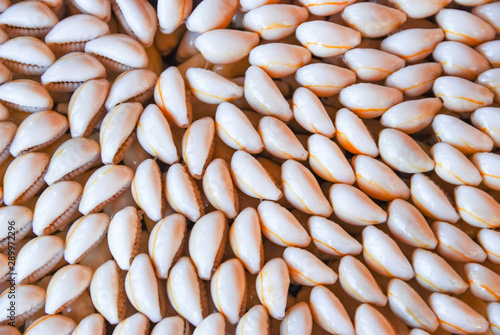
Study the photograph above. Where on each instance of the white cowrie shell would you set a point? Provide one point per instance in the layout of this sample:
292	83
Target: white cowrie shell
324	79
33	18
453	166
225	46
281	227
55	207
211	14
369	321
408	225
373	20
254	322
92	324
461	95
353	206
66	286
413	45
228	289
174	325
118	52
353	135
135	85
197	146
272	287
252	178
330	238
210	87
182	193
38	257
83	235
418	9
407	305
170	96
488	165
414	80
487	119
460	60
207	242
186	47
489	12
107	291
22	217
138	17
185	291
105	184
8	131
310	113
307	269
456	316
493	313
431	200
212	324
384	256
26	55
377	180
372	64
274	22
171	14
462	26
29	300
484	283
219	188
325	8
279	140
24	177
279	59
489	50
490	80
411	116
298	320
435	274
136	324
456	245
477	208
37	131
461	135
124	234
302	190
147	189
327	39
247	5
25	95
263	95
358	282
235	129
98	8
369	100
246	240
53	324
328	312
490	241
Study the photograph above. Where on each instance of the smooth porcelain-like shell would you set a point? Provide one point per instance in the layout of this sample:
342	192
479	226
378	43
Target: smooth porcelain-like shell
147	189
487	120
182	193
92	324
51	324
477	208
464	27
307	269
20	219
246	240
453	166
279	59
413	45
328	312
138	17
98	8
279	140
174	325
324	79
490	51
369	320
254	322
212	14
490	80
135	85
197	146
298	320
136	324
415	80
420	8
489	12
171	14
411	116
484	283
272	287
488	165
226	46
490	241
212	324
26	55
29	299
353	135
124	236
330	238
211	87
493	313
219	188
33	18
458	59
310	113
372	64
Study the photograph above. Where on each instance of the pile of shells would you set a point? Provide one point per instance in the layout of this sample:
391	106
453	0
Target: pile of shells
249	167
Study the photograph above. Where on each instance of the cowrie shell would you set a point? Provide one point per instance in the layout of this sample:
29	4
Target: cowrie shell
197	146
310	113
420	9
279	59
458	59
415	80
372	64
330	238
464	27
353	135
453	166
255	321
213	324
411	116
307	269
228	288
212	14
246	240
219	188
136	324
210	87
413	45
171	14
55	324
298	320
272	285
226	46
328	312
369	320
324	79
477	208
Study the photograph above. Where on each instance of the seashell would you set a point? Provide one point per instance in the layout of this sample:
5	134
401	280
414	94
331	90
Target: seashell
488	165
435	274
182	193
353	135
255	321
131	86
369	100
493	313
281	227
488	12
174	325
489	50
275	21
462	26
207	243
98	8
147	189
358	282
460	60
415	80
124	236
489	79
104	185
330	238
420	9
84	235
28	298
81	308
372	64
246	240
212	14
170	96
38	131
226	46
210	87
20	219
26	55
66	286
247	5
228	289
477	208
456	316
298	320
279	59
369	320
86	106
328	312
33	18
24	177
71	159
484	283
411	116
373	20
62	77
219	189
487	120
117	52
138	19
407	305
413	45
325	8
171	14
310	113
279	140
38	257
25	95
186	285
307	269
108	292
214	323
263	95
92	324
324	79
51	324
353	206
489	240
272	286
197	146
136	324
453	166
